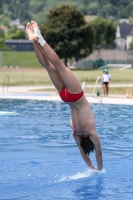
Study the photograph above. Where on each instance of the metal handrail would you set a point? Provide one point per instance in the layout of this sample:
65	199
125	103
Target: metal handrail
5	78
84	88
100	99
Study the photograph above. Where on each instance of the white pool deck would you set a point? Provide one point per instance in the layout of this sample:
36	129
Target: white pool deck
29	93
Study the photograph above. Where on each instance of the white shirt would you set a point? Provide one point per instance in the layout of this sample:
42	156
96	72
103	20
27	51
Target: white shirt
106	77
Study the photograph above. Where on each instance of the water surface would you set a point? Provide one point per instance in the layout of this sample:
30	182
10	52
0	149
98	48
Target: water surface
40	160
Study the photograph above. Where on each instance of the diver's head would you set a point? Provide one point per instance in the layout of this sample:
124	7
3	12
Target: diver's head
86	144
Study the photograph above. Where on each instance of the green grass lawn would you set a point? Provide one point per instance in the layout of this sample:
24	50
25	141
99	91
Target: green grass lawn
38	76
26	77
22	59
125	76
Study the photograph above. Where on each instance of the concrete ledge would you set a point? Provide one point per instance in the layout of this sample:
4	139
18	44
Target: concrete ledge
105	100
108	100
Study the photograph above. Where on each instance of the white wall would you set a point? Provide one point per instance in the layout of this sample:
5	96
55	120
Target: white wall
120	43
118	35
129	39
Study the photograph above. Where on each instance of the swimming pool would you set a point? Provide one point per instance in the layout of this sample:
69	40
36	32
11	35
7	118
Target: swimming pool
40	160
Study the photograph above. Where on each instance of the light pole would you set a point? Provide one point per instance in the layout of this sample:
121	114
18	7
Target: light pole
0	58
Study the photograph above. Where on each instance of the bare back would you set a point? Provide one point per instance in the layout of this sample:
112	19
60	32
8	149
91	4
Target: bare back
82	117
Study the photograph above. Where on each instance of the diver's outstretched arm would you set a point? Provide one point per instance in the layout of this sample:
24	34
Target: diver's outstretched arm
98	152
84	156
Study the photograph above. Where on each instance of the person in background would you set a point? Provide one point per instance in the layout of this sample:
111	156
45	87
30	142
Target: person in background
106	78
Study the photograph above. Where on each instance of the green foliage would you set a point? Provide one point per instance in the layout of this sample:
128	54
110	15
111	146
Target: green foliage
14	9
92	8
131	46
17	34
104	32
5	20
130	9
108	10
2	40
38	10
68	33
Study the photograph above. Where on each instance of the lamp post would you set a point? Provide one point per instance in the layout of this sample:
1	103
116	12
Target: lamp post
0	57
2	41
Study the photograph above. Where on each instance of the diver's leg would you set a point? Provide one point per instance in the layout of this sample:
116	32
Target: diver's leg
67	77
43	61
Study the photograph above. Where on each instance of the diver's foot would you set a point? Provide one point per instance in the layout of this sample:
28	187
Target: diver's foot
34	24
36	29
30	32
37	33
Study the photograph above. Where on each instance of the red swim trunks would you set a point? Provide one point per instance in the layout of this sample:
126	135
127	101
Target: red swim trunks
68	97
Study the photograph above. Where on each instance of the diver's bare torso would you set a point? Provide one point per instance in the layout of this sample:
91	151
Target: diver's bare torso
82	121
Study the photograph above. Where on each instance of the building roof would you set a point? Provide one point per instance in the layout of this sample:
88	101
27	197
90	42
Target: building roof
131	33
125	29
18	41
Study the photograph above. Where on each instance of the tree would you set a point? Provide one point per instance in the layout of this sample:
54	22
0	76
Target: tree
38	10
68	33
104	32
108	10
2	41
92	8
131	46
16	9
17	34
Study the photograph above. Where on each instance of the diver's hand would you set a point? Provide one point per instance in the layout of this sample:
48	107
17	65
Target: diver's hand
92	167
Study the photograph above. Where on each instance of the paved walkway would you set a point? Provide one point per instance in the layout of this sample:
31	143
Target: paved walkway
24	89
27	89
28	92
112	85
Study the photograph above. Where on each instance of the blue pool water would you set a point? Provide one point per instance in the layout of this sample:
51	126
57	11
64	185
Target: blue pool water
39	159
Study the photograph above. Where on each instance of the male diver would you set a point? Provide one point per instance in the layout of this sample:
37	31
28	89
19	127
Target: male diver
70	91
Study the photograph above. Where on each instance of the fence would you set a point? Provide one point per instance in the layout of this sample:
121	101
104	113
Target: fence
104	57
